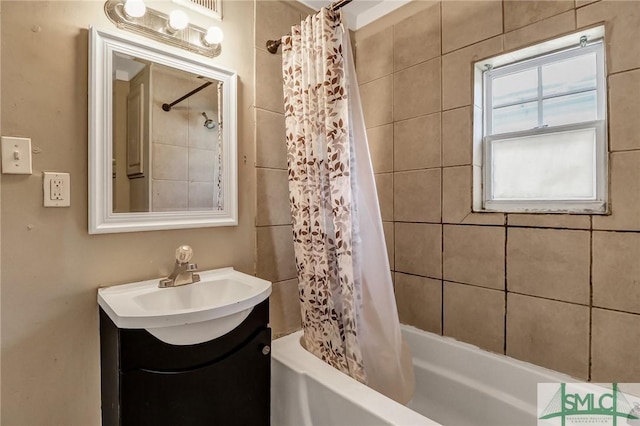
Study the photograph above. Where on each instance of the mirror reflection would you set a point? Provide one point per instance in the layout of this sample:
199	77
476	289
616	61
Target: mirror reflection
167	138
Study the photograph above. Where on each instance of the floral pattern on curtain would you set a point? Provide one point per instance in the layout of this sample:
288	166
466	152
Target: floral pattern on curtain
320	184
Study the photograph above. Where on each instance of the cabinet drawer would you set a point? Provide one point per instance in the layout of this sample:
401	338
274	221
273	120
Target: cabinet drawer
231	391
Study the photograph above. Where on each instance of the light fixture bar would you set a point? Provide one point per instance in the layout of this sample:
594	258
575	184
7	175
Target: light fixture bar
154	24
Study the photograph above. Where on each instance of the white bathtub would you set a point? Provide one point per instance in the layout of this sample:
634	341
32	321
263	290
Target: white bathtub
456	384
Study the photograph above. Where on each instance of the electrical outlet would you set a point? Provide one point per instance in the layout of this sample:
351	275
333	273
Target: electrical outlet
57	189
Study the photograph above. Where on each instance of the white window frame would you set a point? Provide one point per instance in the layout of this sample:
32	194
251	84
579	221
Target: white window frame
596	204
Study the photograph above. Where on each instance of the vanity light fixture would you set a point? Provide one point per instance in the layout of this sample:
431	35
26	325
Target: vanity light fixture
178	20
213	36
173	29
135	8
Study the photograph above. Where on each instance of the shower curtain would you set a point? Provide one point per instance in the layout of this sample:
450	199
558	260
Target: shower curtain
349	315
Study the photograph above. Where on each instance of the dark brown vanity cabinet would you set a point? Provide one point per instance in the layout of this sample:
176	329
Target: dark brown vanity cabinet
223	382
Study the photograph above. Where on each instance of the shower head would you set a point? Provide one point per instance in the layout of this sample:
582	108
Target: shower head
208	123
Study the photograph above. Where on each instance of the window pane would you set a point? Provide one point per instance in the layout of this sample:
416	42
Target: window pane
516	117
516	87
558	166
570	109
572	74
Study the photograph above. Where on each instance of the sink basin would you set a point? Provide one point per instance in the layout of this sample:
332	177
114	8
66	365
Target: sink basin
188	314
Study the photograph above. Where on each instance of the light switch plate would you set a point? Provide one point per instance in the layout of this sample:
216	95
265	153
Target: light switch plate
57	189
16	155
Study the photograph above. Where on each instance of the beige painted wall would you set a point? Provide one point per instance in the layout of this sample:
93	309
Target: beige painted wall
555	290
50	266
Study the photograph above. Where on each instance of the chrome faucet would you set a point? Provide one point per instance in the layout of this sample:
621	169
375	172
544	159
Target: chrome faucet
183	272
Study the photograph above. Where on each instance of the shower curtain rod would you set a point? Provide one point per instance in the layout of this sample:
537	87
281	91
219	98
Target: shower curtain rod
167	107
273	45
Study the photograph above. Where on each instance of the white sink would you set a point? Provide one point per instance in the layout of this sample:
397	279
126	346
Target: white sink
189	314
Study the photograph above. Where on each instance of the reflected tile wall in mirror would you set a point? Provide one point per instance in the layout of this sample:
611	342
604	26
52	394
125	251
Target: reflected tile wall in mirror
178	149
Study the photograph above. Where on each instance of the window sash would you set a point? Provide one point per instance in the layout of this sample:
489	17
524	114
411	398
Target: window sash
595	47
584	206
546	97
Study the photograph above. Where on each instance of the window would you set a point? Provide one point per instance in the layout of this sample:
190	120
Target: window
543	143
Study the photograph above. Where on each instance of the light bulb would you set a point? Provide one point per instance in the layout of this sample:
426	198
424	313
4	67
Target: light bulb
134	8
178	20
214	36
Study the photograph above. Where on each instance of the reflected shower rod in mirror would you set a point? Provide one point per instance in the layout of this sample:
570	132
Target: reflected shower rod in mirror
167	107
273	45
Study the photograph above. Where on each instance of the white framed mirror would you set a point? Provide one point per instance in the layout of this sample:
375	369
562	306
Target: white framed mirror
162	137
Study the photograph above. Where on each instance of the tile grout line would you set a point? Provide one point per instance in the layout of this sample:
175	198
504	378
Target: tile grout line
467	46
548	298
429	168
441	186
274	226
617	231
624	150
441	236
506	291
590	346
447	109
393	168
453	281
516	293
554	228
364	83
261	108
609	74
503	27
396	71
551	228
260	167
616	310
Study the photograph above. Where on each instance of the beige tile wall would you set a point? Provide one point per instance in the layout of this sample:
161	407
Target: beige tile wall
274	239
183	150
560	291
